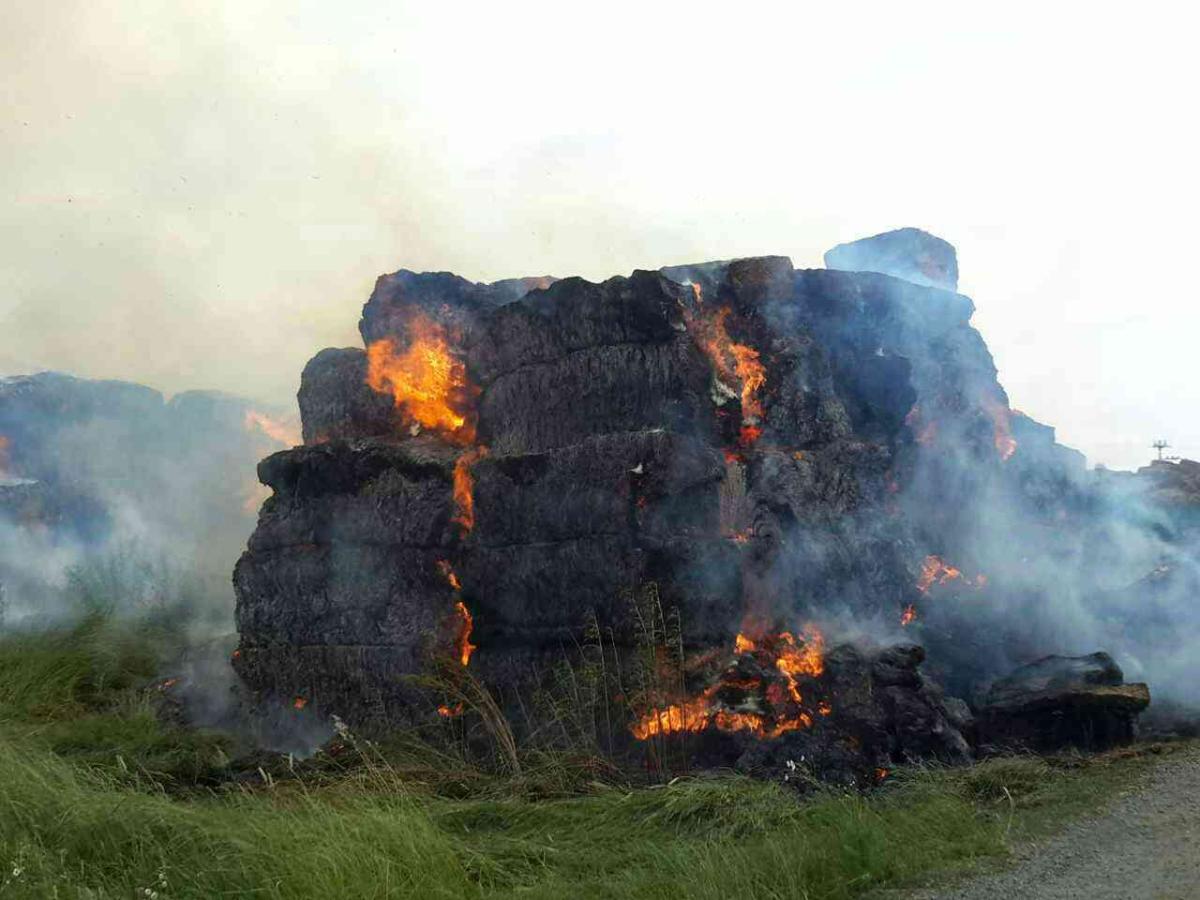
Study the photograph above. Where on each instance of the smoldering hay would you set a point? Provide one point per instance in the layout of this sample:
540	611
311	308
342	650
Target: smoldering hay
793	459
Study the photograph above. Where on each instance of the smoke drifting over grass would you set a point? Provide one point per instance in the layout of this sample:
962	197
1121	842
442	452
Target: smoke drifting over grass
118	497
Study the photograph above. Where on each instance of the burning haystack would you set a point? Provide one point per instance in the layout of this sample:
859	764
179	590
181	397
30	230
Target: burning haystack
793	458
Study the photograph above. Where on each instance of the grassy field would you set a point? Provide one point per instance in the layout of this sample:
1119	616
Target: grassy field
98	798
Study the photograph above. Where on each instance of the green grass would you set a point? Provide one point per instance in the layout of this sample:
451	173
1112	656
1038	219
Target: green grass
99	799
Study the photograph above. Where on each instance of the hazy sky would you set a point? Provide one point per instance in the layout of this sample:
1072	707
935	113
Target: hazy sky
203	197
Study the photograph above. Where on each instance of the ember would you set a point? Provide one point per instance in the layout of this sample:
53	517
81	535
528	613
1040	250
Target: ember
741	537
428	380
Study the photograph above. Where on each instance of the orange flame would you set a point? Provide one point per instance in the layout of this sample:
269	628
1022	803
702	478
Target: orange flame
283	432
1006	444
935	571
462	641
428	380
908	616
735	364
793	658
464	487
299	703
450	712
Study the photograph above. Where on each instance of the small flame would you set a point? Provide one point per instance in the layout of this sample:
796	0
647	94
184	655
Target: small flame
998	412
735	364
881	773
283	432
925	433
450	712
748	435
793	658
462	641
934	570
448	573
427	381
464	487
299	703
908	616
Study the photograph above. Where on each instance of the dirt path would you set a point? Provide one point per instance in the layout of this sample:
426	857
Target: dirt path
1145	846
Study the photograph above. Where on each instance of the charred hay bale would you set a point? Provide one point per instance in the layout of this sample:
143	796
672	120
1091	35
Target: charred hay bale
656	482
1063	701
598	390
455	302
367	492
881	712
574	315
336	403
340	593
583	359
361	684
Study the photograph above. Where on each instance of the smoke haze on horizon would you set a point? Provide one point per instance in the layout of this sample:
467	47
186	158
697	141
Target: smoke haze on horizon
203	200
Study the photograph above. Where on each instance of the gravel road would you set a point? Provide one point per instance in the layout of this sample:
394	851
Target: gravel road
1147	845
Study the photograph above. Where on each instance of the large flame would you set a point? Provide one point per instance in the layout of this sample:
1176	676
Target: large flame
464	487
737	365
284	432
794	658
428	381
